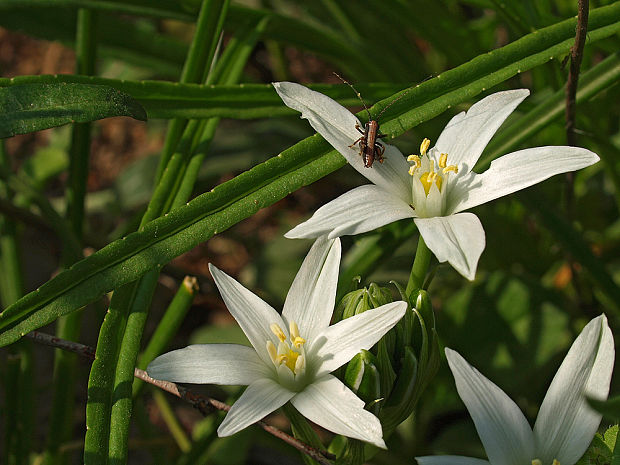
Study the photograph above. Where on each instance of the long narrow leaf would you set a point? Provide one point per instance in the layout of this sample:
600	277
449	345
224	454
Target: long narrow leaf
33	107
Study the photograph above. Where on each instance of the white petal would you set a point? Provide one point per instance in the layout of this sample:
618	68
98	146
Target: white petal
517	171
330	404
503	430
252	313
257	401
361	209
209	364
467	134
337	125
338	343
457	239
566	424
311	298
450	460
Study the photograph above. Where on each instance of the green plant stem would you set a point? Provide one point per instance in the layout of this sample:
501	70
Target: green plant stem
302	430
120	414
171	422
167	327
132	312
199	58
19	382
68	327
419	268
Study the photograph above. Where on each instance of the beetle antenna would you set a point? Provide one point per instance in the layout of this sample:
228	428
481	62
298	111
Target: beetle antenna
393	102
359	96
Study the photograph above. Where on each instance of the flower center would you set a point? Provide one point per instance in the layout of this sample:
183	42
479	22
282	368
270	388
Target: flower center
430	177
290	355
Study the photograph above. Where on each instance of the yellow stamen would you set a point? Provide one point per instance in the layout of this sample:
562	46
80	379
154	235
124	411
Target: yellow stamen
556	462
275	329
412	170
296	339
537	462
293	329
415	158
452	168
443	158
424	146
273	352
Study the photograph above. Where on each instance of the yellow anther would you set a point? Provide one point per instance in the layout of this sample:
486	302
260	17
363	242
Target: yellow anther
417	163
416	159
443	158
275	329
537	462
281	358
424	146
556	462
294	330
298	341
273	352
452	168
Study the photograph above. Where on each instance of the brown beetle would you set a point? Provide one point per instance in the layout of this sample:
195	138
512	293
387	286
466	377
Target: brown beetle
371	149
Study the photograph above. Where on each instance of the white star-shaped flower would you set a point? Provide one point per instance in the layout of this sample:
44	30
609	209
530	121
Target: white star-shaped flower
436	186
292	354
565	424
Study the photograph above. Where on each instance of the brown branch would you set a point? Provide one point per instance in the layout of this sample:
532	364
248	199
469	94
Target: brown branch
205	405
576	55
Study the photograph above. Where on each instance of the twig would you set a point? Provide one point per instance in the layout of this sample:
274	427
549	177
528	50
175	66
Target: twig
576	55
205	405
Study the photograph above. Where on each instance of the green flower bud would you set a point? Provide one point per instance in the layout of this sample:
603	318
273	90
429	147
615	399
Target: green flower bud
360	300
362	376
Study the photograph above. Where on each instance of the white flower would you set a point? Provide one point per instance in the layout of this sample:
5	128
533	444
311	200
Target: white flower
565	424
439	184
292	354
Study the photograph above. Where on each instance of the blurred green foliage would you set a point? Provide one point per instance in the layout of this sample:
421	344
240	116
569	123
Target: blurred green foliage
548	267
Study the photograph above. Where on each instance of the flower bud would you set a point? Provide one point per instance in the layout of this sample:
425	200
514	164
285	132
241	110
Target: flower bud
362	376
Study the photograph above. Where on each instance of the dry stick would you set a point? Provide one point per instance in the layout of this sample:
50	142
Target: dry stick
204	405
576	55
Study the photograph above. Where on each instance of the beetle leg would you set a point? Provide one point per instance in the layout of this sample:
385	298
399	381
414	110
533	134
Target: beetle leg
359	128
358	140
380	150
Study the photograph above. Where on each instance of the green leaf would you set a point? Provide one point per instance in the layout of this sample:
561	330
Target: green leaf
163	99
609	407
33	107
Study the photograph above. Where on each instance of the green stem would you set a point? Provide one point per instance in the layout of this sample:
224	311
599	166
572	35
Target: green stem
167	327
419	268
199	58
20	379
171	421
68	327
112	378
